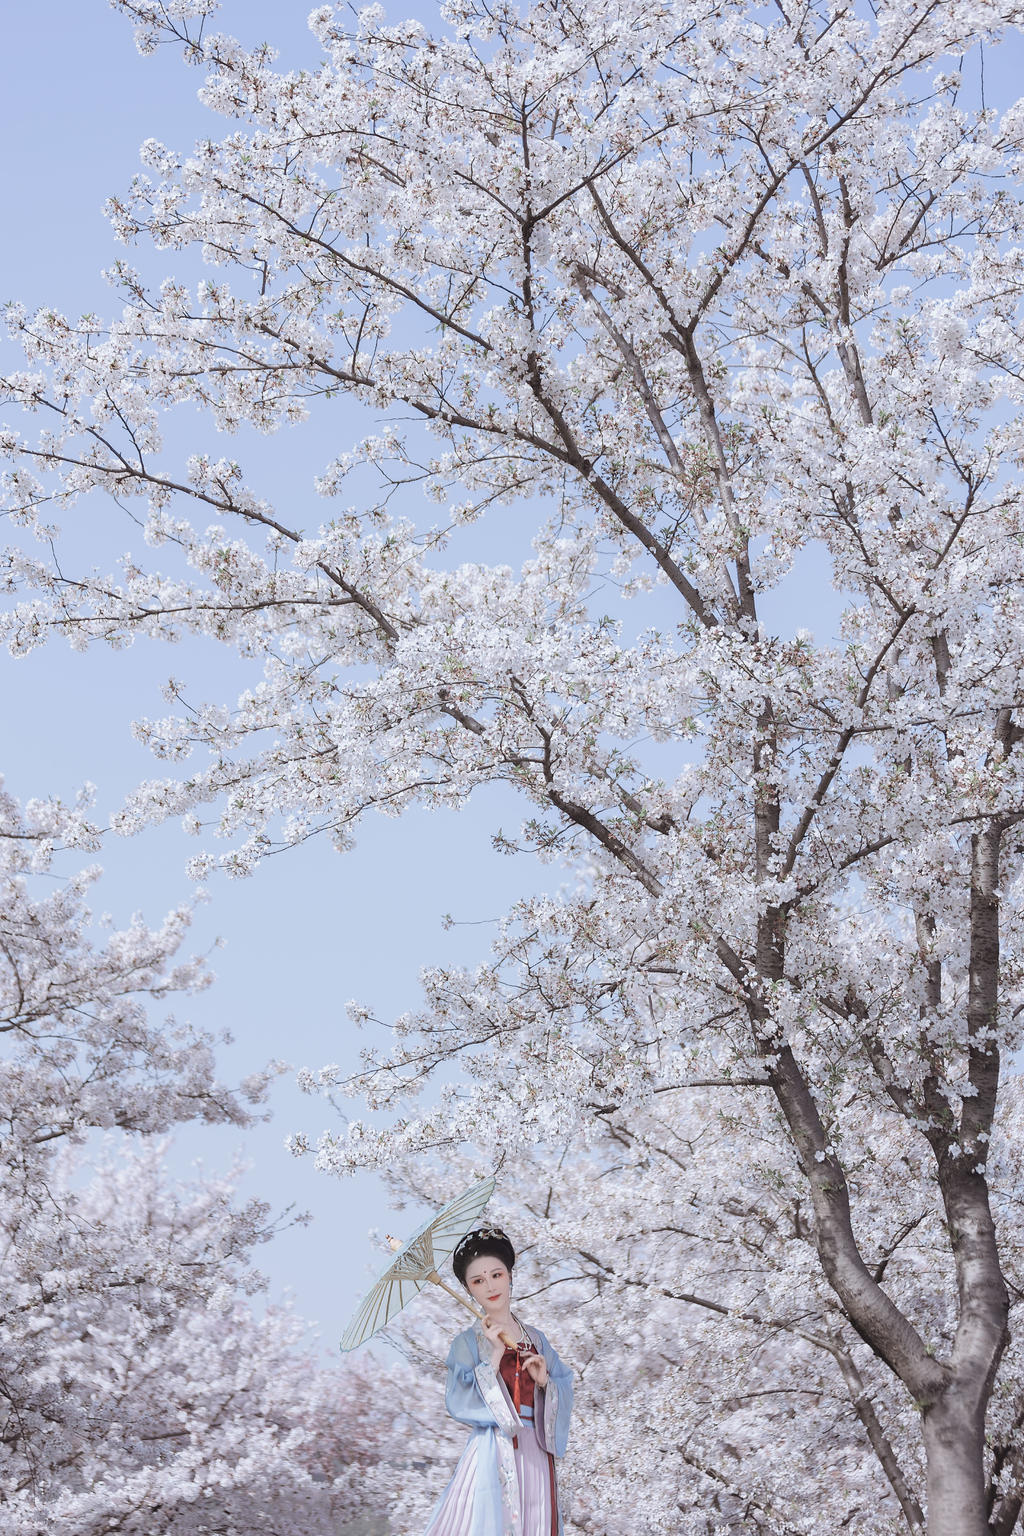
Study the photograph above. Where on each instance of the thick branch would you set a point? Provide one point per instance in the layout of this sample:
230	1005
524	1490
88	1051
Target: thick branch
874	1315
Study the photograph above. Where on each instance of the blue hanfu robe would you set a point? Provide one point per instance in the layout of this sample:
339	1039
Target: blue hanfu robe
477	1397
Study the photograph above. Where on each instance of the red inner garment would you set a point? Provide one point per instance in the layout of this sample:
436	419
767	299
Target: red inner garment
523	1397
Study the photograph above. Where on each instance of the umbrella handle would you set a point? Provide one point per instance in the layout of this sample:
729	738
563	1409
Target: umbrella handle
464	1301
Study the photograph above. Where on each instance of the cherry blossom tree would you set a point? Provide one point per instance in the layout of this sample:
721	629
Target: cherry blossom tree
703	293
142	1393
139	1391
719	1384
81	1052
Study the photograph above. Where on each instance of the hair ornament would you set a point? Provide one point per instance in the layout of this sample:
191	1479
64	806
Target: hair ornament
486	1239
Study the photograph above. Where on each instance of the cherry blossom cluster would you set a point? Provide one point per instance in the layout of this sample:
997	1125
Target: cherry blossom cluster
142	1390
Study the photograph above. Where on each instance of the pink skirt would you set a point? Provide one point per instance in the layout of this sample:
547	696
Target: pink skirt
535	1470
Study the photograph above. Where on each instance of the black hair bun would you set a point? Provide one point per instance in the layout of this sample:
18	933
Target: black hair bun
489	1240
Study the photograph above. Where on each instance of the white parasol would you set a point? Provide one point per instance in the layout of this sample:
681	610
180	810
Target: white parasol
416	1263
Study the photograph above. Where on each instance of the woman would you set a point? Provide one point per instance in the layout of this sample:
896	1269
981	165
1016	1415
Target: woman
516	1401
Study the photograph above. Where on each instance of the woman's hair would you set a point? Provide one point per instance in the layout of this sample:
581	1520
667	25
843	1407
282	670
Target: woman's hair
484	1240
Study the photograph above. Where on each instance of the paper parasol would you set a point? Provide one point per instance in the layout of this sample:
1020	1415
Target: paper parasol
415	1265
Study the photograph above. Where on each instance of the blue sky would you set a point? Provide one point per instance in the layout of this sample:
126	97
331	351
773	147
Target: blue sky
314	928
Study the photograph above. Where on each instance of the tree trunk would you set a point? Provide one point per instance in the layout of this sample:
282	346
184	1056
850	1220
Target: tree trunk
954	1443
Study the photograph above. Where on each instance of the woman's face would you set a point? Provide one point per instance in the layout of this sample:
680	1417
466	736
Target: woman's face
489	1282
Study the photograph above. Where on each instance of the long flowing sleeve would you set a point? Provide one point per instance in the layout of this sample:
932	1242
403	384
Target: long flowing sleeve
553	1417
474	1395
